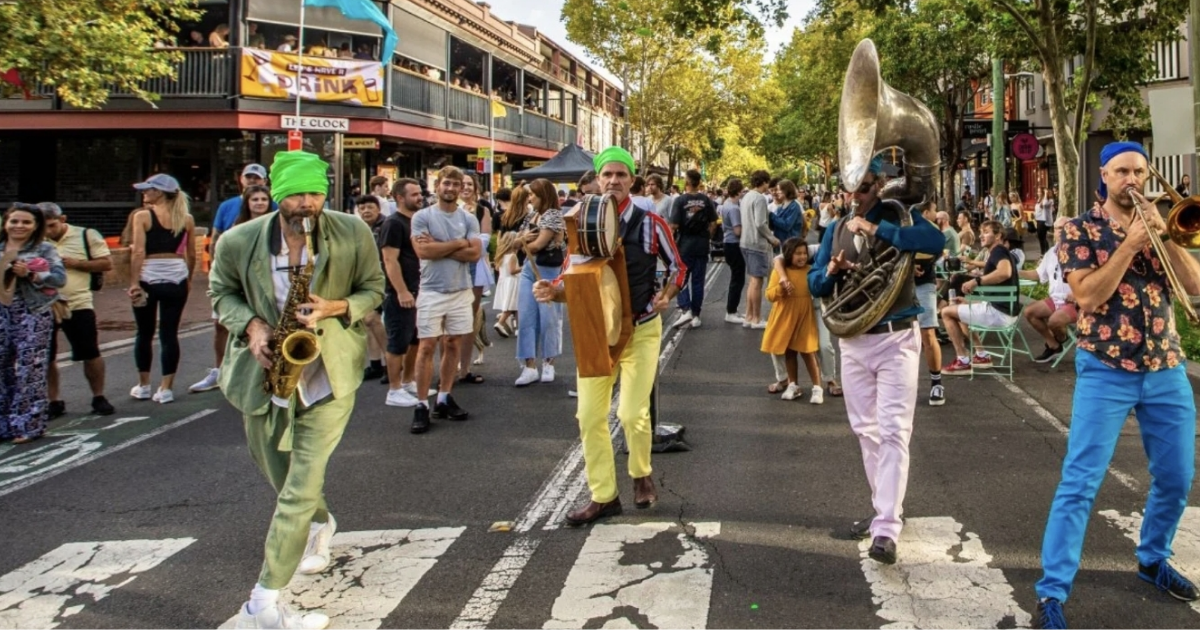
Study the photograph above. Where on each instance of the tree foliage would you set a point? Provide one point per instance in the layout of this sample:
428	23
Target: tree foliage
84	48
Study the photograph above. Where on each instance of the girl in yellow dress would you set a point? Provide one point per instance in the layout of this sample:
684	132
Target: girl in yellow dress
792	325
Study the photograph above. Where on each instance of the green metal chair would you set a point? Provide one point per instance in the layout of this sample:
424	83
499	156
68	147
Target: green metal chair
998	341
1068	345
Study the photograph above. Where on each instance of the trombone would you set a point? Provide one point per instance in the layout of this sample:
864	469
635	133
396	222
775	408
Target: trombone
1183	228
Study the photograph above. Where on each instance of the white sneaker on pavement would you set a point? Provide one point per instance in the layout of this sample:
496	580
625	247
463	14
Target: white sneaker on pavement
280	616
410	387
818	395
747	323
316	555
528	375
759	325
401	398
792	392
208	383
695	322
163	396
734	318
683	319
141	392
547	372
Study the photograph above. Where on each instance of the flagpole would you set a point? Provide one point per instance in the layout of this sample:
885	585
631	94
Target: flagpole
299	63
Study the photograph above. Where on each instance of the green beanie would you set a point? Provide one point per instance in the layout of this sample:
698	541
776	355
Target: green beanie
614	154
295	172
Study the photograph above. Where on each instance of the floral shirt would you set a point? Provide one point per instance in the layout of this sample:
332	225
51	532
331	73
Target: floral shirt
1135	329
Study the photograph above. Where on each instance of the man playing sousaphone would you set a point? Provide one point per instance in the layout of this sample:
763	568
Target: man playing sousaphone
646	238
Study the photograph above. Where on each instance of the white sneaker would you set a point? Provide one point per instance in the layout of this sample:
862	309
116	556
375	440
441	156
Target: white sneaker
572	393
208	383
316	555
759	325
280	616
547	373
528	375
141	392
410	387
818	395
163	396
734	318
792	392
747	323
683	319
695	322
401	398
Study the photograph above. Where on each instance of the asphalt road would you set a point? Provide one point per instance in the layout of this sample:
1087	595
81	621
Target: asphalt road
155	517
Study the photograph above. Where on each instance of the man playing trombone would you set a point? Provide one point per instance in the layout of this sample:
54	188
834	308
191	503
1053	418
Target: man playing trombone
1130	358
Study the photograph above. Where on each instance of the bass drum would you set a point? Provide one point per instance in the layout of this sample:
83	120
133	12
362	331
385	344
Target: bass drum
597	226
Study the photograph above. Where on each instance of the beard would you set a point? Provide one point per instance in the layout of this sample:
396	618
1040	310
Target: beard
448	197
295	219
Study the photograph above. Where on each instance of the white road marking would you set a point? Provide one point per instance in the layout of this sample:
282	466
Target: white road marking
1186	544
75	451
370	575
941	580
1125	479
603	588
553	499
44	592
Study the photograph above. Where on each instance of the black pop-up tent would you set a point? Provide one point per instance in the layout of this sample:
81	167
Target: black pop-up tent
567	167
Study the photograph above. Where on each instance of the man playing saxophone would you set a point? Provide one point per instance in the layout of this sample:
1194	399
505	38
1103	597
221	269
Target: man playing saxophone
1128	357
879	366
292	434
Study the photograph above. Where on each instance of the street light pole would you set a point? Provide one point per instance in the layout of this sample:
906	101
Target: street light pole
1194	53
999	169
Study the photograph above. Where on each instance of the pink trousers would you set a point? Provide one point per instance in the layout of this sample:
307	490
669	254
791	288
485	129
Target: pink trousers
879	376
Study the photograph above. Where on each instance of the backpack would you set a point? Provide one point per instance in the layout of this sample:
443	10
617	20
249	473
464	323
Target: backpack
97	279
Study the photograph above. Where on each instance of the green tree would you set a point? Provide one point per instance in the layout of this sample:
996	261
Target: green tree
84	48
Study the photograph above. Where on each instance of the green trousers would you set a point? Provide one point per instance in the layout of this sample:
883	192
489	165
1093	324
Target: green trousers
297	475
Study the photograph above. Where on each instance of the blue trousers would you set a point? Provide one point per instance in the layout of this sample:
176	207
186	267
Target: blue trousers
537	323
692	296
1166	414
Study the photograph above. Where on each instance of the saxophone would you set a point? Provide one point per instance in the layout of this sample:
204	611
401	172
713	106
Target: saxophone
293	346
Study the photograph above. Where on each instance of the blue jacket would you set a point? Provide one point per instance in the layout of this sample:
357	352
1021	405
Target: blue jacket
39	290
921	237
786	221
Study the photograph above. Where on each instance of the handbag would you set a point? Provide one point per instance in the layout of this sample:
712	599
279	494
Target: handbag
97	277
550	257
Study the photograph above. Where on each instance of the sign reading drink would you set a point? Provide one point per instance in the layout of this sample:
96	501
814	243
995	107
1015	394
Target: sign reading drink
314	123
271	74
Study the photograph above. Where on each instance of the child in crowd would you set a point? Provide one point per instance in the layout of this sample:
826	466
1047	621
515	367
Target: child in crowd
792	325
505	299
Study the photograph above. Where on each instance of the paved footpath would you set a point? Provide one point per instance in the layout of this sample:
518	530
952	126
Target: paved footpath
155	517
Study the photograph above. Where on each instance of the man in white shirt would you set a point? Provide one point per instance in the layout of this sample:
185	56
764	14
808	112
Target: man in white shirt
1051	316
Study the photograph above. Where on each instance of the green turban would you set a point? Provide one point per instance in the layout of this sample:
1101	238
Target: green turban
295	172
614	154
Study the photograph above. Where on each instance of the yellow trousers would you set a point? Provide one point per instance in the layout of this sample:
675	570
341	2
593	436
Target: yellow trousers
637	368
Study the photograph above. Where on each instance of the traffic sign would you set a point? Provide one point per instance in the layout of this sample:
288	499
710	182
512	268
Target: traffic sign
295	140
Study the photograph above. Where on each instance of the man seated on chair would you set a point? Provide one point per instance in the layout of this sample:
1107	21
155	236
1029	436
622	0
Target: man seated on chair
998	270
1051	316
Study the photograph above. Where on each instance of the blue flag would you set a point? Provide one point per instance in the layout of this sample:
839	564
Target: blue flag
363	10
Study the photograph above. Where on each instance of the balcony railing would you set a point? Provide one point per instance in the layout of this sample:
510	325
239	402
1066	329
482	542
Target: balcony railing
511	121
468	107
203	72
417	93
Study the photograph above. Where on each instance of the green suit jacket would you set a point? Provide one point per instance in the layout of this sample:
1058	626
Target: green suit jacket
242	288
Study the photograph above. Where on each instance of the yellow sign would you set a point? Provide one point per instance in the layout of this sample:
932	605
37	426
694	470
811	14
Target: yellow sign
368	144
270	74
484	153
533	163
499	158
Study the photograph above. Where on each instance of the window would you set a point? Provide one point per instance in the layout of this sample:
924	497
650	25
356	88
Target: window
1171	167
1166	60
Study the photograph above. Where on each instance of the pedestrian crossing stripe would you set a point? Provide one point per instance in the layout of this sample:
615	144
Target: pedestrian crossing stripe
370	574
61	583
941	580
1186	545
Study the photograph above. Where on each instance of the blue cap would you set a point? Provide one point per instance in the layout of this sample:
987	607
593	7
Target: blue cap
161	181
1112	150
876	166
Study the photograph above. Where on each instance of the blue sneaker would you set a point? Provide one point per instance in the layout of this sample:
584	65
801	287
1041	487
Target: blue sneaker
1164	576
1049	614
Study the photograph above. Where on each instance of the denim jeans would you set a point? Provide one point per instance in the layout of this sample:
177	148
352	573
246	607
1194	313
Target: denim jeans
692	296
537	324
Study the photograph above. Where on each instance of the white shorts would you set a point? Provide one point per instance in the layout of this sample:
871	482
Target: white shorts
983	314
441	314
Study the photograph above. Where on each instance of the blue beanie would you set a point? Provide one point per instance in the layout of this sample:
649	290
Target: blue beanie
876	166
1112	150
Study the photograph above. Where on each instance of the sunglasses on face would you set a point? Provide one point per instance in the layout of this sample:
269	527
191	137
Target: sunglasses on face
864	187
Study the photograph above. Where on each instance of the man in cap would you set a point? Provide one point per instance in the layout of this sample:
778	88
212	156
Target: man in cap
292	439
879	366
1129	358
227	214
647	239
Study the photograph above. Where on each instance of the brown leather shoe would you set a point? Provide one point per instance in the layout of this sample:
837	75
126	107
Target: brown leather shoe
593	512
644	494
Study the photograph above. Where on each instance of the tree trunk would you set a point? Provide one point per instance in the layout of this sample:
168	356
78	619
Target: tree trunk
1066	148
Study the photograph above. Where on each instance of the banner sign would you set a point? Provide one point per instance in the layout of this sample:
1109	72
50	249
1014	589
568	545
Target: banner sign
270	74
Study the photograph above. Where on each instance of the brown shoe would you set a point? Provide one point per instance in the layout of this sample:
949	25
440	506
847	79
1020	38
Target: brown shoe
644	494
593	512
